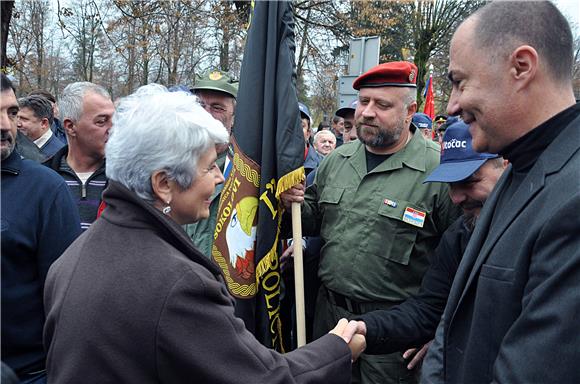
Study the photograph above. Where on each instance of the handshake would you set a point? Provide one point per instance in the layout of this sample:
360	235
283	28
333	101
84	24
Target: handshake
353	333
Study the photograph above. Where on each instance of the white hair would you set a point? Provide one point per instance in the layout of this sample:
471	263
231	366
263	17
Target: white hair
323	132
154	129
70	104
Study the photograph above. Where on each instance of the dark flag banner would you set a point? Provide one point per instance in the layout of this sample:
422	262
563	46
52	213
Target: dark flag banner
268	157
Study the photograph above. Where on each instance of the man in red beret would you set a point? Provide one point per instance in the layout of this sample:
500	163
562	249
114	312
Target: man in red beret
378	221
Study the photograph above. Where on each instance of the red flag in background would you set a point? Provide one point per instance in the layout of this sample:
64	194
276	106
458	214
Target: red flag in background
429	108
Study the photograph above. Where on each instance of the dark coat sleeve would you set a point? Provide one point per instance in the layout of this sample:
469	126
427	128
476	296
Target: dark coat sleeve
199	339
414	322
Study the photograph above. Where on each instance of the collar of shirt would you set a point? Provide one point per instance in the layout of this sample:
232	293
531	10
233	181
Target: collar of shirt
44	138
412	155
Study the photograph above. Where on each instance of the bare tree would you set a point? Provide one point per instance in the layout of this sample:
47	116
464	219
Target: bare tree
29	35
6	16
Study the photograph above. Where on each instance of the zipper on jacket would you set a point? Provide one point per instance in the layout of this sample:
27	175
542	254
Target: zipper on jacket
83	190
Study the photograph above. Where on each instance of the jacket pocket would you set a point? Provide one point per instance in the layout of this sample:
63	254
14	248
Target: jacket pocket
331	210
497	273
330	195
392	238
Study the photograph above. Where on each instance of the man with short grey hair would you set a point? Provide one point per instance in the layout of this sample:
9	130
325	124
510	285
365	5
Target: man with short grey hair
86	110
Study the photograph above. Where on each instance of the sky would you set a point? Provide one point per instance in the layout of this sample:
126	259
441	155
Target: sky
571	10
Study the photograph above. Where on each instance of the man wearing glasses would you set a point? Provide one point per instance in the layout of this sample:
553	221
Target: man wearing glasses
217	93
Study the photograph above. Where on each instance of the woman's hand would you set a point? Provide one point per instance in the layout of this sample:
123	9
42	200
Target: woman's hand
352	332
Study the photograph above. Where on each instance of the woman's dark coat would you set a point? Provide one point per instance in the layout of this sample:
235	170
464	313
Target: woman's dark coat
132	301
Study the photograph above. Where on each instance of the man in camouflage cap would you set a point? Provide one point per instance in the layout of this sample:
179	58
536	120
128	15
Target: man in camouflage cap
217	93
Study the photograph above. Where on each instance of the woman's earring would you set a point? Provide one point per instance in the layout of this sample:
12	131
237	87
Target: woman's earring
166	209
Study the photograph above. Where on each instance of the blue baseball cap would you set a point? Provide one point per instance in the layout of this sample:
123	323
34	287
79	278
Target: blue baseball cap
304	110
458	159
422	121
341	112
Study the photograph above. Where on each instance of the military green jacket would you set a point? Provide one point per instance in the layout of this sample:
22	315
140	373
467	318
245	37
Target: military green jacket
201	232
370	252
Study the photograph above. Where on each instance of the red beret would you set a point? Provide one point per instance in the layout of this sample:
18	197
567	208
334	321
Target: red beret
393	74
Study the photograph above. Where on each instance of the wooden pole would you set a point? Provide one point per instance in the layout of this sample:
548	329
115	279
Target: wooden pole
298	274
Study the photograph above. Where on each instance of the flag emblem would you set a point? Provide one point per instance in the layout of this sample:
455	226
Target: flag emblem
215	75
414	217
234	252
391	203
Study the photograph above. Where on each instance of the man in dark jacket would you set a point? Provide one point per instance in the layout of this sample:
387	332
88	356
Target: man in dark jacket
311	157
512	313
87	110
34	120
56	126
347	115
471	177
39	221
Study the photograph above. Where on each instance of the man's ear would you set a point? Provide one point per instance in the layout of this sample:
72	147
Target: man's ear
523	65
411	110
44	123
161	186
69	127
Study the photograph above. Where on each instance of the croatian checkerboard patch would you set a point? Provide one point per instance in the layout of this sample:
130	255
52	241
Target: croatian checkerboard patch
414	217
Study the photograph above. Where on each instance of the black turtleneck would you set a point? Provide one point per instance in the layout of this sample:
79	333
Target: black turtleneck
524	152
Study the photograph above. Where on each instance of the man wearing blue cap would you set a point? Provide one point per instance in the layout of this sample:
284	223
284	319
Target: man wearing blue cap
471	177
378	222
337	127
347	114
311	157
424	123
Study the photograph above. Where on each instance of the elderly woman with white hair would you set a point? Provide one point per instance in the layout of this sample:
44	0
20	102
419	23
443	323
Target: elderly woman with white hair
133	301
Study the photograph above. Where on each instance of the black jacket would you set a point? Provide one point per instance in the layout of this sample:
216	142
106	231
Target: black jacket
39	221
514	308
413	322
87	196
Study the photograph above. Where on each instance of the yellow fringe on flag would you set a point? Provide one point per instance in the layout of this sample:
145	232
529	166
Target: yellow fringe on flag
271	258
289	180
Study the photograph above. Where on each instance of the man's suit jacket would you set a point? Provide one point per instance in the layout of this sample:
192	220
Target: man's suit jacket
513	314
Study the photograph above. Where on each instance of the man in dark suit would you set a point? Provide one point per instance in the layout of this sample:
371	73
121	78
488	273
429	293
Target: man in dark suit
512	314
35	118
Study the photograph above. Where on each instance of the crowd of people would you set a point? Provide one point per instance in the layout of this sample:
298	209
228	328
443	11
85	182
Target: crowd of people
440	250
